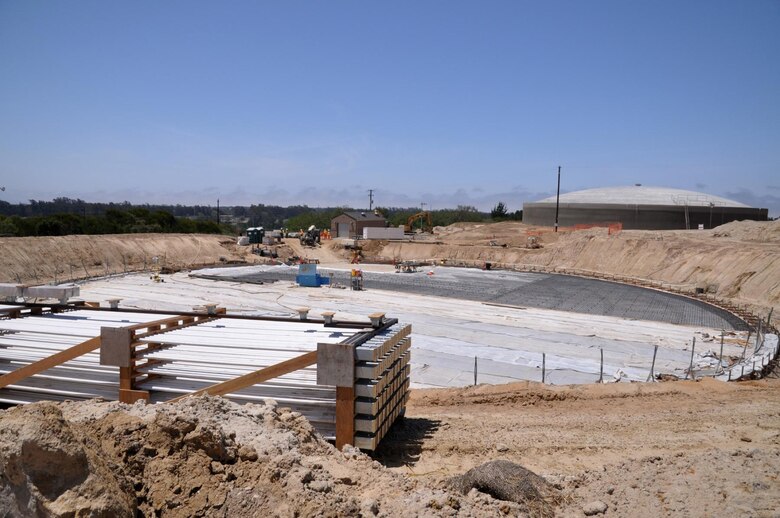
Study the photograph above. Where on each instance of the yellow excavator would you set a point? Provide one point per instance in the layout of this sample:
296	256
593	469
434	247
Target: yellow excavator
425	219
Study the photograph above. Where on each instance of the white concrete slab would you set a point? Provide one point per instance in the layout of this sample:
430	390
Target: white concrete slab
448	333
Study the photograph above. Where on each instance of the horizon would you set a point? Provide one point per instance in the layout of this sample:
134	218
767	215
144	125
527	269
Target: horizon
441	103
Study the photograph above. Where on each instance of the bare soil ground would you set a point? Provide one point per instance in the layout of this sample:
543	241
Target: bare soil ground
200	457
665	449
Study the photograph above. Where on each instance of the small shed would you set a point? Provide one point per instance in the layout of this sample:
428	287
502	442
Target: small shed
351	224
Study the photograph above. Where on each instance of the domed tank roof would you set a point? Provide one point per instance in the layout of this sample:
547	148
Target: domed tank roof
643	195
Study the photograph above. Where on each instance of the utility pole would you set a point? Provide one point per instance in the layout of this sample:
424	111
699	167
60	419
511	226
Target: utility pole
370	199
217	211
558	198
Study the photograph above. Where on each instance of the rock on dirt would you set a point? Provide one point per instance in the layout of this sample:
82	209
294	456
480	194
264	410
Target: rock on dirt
199	457
594	508
505	480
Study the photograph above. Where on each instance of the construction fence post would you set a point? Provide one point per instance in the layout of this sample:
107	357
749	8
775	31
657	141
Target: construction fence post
690	367
601	368
475	371
543	366
651	375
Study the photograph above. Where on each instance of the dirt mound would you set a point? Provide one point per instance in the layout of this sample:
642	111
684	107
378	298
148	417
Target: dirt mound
64	258
46	469
762	232
200	457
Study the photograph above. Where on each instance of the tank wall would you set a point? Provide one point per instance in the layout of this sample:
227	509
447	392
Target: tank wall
642	217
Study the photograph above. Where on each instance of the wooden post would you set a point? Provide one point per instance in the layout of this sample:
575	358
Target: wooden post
543	367
475	371
345	416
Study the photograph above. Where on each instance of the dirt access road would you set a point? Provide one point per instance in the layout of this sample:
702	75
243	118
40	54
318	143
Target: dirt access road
702	448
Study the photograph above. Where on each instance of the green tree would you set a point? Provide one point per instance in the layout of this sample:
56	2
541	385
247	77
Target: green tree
499	211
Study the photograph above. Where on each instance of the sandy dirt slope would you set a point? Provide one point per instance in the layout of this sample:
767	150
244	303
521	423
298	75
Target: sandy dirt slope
738	260
668	449
63	258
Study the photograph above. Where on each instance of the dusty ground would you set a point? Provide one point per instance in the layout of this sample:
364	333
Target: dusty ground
201	457
666	449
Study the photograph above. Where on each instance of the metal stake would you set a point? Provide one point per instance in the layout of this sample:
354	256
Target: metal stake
651	376
601	369
475	370
543	367
720	358
557	198
690	367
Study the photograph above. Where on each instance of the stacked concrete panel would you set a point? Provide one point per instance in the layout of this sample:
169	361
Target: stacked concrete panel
381	383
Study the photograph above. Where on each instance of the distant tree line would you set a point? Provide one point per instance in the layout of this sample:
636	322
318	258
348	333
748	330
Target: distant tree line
63	216
113	221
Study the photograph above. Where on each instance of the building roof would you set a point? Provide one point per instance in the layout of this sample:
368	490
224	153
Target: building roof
644	195
364	216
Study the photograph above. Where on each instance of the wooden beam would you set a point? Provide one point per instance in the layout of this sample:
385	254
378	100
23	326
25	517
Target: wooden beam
49	362
258	376
131	396
171	324
161	322
345	416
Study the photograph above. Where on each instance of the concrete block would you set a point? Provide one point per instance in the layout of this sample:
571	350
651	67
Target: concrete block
383	233
377	319
61	293
336	365
115	346
11	292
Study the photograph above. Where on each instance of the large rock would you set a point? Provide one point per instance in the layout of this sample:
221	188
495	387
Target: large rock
505	480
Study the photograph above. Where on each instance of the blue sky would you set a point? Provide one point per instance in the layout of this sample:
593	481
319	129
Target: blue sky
440	102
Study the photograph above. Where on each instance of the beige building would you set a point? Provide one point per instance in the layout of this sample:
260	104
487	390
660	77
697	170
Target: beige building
351	224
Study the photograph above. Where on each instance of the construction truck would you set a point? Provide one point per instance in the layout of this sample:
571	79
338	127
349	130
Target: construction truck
425	221
311	237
